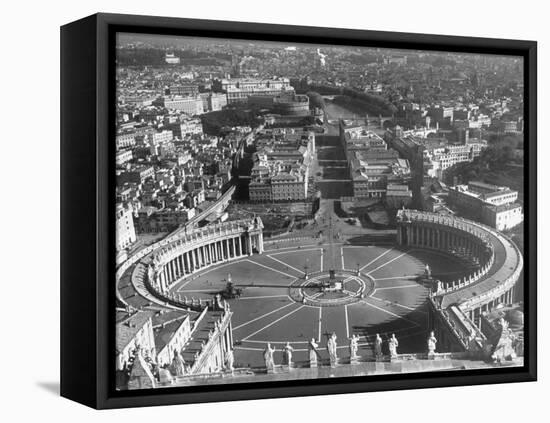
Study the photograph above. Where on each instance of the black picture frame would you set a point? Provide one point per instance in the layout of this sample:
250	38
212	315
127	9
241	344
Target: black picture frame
87	199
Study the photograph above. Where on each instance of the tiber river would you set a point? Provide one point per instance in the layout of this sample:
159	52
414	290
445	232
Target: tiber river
334	111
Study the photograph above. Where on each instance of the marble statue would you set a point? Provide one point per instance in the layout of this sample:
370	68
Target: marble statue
229	360
178	365
141	375
504	350
165	376
312	348
378	346
353	346
268	357
392	345
432	341
503	324
332	348
288	350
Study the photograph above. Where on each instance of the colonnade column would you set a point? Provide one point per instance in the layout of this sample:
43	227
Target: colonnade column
399	235
227	249
161	280
178	266
171	271
429	239
186	262
196	256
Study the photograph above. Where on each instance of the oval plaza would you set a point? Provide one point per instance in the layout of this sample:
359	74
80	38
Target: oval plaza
189	273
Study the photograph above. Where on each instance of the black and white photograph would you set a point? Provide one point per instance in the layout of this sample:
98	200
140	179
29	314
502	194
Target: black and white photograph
294	211
290	211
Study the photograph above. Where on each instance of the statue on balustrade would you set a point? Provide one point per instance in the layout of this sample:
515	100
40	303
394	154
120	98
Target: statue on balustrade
392	345
377	347
165	376
312	348
353	346
288	350
332	348
432	341
504	350
427	271
229	360
268	357
141	373
177	367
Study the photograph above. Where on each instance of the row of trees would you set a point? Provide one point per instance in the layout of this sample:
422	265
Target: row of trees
316	100
356	100
363	106
495	158
374	104
214	122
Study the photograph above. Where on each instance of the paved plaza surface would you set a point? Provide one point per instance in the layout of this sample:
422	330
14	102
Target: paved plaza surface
333	180
269	310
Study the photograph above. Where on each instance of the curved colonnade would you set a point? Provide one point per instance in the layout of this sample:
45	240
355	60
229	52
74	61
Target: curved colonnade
496	265
155	269
456	237
201	248
159	266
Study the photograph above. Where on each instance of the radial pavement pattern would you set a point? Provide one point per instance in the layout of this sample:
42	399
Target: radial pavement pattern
379	294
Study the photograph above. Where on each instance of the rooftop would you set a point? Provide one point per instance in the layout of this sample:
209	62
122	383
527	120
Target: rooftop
128	325
166	324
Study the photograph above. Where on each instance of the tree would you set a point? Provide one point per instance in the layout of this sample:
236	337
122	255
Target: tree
316	100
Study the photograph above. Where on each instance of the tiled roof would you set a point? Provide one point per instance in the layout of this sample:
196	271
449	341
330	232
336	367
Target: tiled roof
128	327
